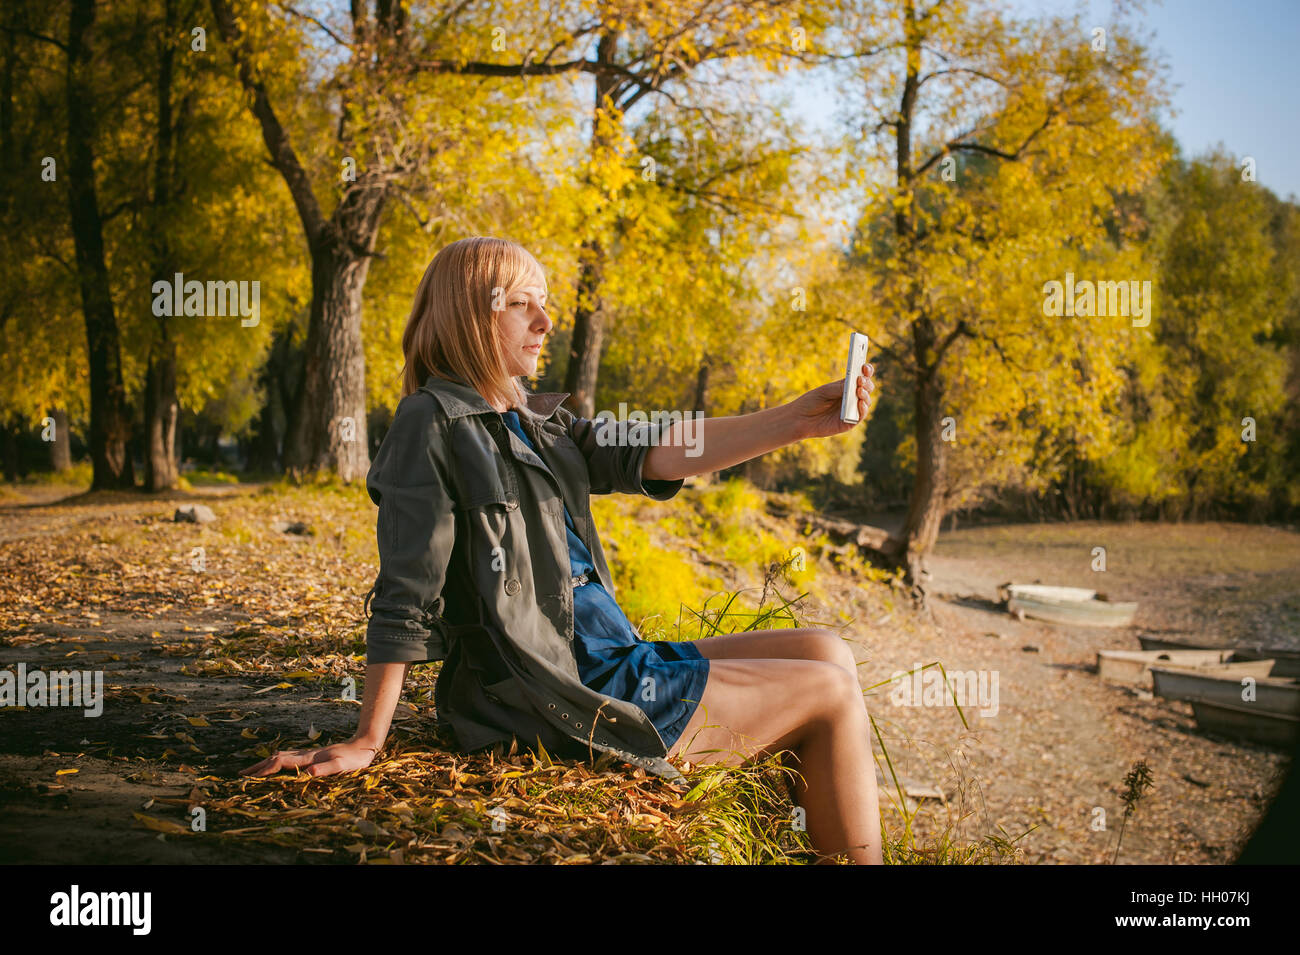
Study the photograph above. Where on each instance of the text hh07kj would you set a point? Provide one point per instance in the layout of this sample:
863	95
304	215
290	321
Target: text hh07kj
857	358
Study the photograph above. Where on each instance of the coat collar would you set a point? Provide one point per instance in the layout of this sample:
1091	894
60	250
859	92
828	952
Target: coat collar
458	399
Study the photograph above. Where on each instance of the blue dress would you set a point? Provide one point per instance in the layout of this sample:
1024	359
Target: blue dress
663	677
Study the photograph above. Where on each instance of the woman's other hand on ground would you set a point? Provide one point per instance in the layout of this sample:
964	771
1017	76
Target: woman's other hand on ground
818	411
326	761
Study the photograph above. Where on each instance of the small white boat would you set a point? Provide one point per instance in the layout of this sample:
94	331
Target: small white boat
1073	606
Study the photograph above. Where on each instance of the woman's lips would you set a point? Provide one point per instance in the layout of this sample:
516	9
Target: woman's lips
536	349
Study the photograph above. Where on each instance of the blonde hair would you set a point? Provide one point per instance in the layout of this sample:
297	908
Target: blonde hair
452	328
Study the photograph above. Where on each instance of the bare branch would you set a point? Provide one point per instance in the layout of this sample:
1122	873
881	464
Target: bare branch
19	31
958	146
307	16
283	156
962	329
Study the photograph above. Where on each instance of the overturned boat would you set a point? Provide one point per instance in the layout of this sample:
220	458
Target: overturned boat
1072	606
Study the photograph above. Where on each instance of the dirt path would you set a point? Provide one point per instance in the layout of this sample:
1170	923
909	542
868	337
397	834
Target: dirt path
1061	742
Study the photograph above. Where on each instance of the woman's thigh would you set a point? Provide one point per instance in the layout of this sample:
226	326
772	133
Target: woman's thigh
756	707
793	644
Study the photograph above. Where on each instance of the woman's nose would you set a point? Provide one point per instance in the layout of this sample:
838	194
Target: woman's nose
547	324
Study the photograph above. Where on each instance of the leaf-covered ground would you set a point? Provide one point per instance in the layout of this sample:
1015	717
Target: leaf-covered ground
221	643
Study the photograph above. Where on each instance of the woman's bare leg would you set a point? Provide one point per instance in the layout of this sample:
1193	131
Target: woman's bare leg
755	707
802	643
808	643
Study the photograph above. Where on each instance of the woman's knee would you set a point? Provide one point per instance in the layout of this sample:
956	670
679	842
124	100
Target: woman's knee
839	691
830	647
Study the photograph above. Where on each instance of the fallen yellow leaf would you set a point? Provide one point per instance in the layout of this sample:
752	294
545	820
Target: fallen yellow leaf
161	825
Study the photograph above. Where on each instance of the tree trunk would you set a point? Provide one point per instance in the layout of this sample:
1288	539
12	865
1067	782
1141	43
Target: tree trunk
702	387
329	419
61	446
264	449
701	405
162	411
588	335
588	318
110	423
926	506
11	449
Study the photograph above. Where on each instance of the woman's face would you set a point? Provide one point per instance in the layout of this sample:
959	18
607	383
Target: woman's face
523	324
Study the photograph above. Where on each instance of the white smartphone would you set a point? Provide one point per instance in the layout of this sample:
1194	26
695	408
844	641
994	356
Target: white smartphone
857	358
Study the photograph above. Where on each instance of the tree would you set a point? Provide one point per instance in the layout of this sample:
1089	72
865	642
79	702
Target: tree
1206	424
110	420
42	332
390	122
962	271
631	50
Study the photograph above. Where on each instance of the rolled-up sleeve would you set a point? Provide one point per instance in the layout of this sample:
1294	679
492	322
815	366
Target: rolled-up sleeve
416	530
616	451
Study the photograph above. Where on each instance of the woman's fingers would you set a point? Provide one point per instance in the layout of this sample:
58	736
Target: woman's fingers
287	759
318	762
327	768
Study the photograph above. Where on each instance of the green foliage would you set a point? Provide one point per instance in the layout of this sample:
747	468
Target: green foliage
1213	359
652	582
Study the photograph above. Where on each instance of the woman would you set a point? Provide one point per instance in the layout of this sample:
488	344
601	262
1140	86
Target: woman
479	475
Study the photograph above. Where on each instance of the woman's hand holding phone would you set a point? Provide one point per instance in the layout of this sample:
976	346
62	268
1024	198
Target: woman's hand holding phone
819	410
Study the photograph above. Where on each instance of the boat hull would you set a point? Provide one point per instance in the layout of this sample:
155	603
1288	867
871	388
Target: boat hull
1074	613
1223	685
1243	722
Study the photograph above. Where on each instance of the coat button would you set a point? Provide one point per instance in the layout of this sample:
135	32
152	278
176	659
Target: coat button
512	502
512	586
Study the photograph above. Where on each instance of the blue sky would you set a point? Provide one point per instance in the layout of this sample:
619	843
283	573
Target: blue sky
1233	70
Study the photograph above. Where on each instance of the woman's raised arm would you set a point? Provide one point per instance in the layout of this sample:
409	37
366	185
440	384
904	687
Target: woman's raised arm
724	442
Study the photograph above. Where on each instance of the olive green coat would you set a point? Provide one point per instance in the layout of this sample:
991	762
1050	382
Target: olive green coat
474	566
